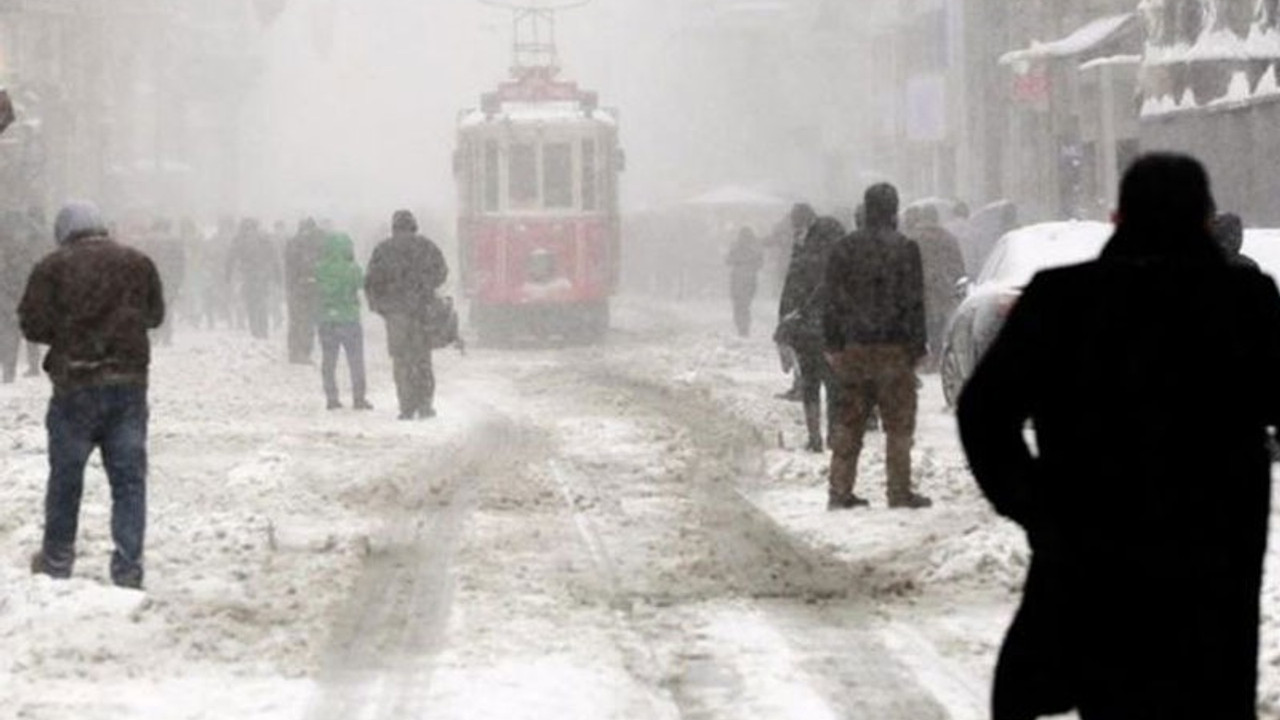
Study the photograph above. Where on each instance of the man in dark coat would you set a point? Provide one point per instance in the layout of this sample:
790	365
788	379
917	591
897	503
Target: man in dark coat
301	256
401	283
253	270
746	259
874	335
800	311
1147	525
93	302
943	270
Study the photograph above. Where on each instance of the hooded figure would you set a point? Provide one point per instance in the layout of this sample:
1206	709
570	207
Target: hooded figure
1147	525
1228	231
404	275
874	336
93	302
301	253
800	311
338	279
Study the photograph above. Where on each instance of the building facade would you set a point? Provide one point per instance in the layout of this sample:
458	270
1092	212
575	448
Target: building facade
130	102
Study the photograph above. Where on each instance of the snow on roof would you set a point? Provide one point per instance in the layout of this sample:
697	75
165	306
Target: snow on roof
1262	43
739	196
1079	42
1028	250
546	112
1113	61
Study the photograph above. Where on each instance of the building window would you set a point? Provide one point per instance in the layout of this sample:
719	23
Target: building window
590	196
491	179
557	175
523	170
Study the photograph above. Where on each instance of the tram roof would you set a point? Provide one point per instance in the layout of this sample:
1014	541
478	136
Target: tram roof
550	113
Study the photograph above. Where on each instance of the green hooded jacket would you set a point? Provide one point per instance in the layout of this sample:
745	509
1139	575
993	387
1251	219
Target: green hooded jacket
339	279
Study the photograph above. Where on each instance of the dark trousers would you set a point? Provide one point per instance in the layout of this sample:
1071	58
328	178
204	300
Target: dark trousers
112	419
874	376
10	342
302	330
815	374
743	292
410	350
345	337
255	306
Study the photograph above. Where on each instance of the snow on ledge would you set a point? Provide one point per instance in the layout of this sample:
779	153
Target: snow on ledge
1081	41
1113	61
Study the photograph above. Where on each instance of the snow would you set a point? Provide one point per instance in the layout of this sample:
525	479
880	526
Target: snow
1268	86
566	595
1112	61
551	113
737	196
1081	41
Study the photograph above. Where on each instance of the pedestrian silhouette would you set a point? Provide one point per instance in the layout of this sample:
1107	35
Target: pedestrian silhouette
1150	379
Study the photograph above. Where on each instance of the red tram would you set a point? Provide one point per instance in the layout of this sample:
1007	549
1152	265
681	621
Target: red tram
537	168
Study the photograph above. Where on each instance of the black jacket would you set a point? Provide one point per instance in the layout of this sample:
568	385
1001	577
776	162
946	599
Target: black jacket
808	265
875	291
1150	381
93	301
404	274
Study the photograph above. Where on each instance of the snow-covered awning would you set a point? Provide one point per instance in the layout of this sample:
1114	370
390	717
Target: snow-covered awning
1087	38
737	196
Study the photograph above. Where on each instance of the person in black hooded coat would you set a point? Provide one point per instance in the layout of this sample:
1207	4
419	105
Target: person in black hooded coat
1147	524
800	315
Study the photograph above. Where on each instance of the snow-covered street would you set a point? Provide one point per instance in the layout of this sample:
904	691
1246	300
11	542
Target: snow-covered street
628	531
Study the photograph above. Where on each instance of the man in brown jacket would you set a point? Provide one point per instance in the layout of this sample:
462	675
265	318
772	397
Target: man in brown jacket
874	336
93	302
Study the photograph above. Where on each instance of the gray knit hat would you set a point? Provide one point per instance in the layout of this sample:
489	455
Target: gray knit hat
76	220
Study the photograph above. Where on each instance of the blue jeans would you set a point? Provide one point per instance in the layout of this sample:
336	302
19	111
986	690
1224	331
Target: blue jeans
112	418
348	337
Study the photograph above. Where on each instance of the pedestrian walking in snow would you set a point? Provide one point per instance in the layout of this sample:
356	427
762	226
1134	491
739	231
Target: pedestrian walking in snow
746	259
1147	524
943	271
800	315
253	271
301	255
93	302
338	280
874	335
404	275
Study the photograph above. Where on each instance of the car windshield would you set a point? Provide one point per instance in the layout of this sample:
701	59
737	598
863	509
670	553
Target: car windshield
1024	252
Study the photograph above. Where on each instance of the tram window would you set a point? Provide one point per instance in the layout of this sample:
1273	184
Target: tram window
589	194
492	169
557	175
523	171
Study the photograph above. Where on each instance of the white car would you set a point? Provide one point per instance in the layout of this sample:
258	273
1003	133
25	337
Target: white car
1017	257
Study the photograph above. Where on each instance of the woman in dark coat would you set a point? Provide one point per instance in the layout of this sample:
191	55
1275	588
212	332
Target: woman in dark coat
1151	377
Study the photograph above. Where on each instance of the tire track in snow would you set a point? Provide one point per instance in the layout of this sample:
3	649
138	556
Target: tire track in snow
380	659
754	652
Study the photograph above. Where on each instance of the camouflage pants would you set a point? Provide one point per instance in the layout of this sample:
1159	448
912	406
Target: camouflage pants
870	377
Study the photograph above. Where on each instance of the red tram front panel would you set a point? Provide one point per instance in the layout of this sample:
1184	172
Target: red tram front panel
539	261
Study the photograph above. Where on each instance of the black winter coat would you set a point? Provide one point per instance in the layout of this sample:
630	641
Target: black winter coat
802	293
1150	382
875	292
404	274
